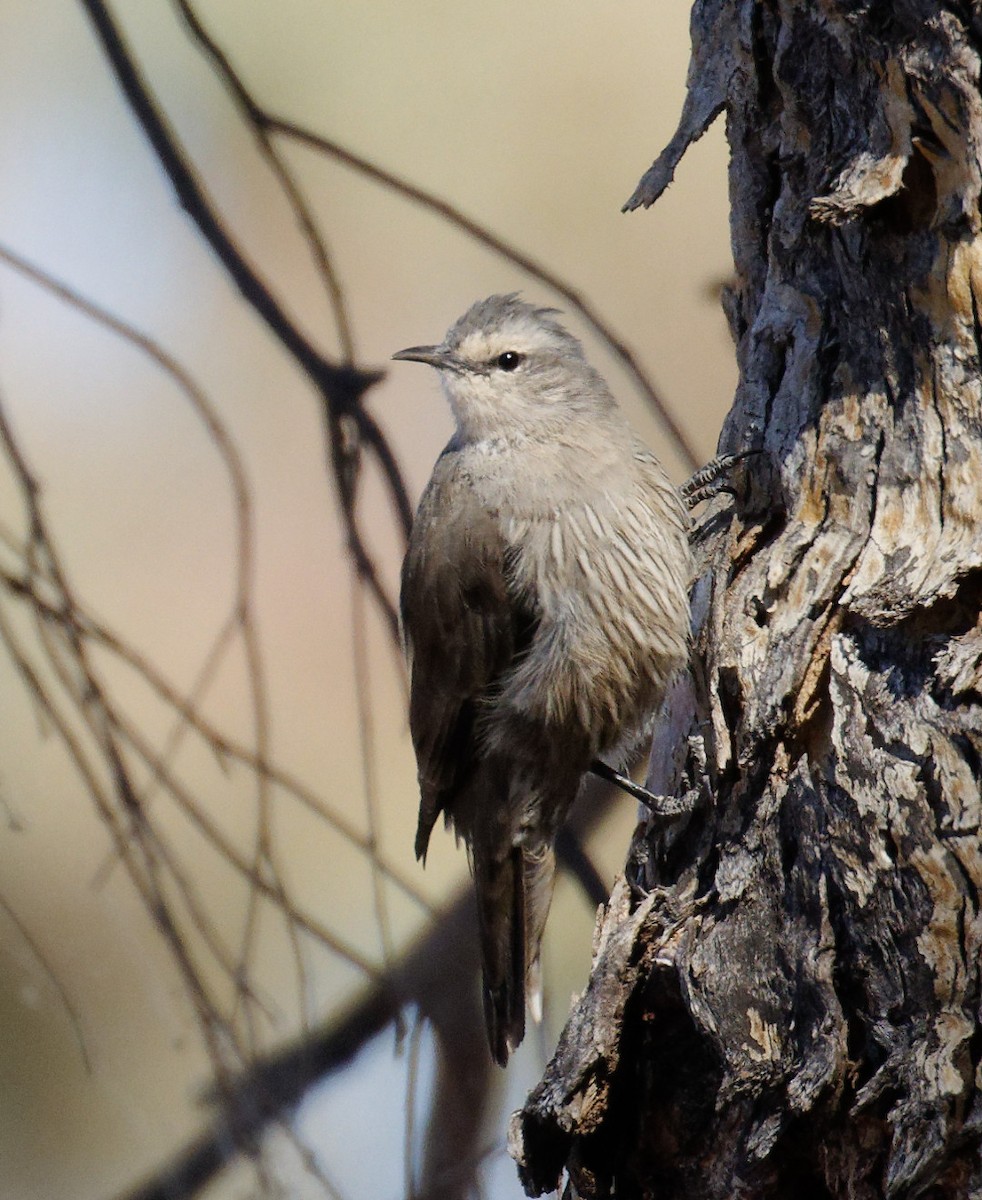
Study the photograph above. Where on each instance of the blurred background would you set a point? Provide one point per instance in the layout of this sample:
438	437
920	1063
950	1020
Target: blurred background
535	121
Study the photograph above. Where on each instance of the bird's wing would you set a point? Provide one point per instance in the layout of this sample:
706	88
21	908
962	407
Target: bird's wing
463	624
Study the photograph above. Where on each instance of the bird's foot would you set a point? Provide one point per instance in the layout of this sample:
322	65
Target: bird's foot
712	479
665	806
659	806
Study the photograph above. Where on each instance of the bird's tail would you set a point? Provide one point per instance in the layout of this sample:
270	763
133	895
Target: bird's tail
514	891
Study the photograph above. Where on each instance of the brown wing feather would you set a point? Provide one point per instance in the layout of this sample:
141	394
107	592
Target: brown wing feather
463	626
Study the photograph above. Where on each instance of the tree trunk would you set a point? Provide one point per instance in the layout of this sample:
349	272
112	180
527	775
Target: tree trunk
785	996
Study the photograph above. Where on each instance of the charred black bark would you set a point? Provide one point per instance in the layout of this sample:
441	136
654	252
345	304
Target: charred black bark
800	1015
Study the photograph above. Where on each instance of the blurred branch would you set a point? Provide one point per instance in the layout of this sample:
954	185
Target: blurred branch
345	384
436	975
575	860
340	447
110	784
252	115
74	700
341	387
444	956
71	1009
188	717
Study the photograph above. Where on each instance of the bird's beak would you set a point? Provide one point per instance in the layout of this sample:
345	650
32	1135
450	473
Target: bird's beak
434	356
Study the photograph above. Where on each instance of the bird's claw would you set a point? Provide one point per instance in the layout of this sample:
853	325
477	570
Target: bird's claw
711	480
664	806
658	806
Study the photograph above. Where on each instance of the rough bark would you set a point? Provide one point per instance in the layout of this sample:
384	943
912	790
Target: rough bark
786	996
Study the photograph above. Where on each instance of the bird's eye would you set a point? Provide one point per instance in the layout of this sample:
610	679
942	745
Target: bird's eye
509	360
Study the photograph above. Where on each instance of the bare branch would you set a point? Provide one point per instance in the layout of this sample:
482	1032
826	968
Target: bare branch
428	976
67	1003
187	714
341	387
252	115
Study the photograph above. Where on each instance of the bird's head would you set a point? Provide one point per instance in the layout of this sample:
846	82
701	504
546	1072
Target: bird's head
510	367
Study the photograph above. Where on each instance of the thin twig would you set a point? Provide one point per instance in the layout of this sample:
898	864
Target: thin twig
309	1160
341	387
265	881
366	745
185	707
412	1087
429	971
132	852
195	202
223	746
71	1010
252	115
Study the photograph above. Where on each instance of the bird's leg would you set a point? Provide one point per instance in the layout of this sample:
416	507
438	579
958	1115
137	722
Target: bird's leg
659	806
664	806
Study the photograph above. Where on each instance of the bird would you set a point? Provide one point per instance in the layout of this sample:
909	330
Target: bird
544	604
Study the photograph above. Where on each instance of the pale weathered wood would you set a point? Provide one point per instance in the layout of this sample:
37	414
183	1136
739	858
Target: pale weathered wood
801	1013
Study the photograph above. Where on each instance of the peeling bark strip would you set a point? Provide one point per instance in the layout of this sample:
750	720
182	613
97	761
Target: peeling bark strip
799	1013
